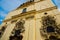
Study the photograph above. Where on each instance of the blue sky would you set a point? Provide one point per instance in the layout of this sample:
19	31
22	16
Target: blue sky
8	5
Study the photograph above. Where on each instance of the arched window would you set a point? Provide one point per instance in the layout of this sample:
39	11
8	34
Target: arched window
24	10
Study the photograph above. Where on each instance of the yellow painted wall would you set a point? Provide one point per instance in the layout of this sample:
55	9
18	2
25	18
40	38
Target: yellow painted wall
32	26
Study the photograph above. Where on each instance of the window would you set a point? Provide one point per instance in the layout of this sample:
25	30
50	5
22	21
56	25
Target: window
24	10
32	0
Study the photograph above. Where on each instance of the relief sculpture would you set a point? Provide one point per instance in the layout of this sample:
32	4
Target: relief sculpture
18	31
49	29
2	30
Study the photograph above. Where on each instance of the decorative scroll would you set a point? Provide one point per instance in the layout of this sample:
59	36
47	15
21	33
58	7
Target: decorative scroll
49	30
18	31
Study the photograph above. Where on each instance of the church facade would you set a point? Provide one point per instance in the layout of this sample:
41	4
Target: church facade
33	20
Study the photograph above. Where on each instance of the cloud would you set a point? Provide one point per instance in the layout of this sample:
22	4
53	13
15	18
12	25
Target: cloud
2	16
58	9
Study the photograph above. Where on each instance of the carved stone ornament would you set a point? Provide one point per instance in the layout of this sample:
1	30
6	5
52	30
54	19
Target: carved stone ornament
18	31
49	29
2	30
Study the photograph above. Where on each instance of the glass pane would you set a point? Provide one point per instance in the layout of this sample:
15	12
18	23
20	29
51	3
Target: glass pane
24	10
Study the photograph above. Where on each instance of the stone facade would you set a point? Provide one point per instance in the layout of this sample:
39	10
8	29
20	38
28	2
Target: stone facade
40	20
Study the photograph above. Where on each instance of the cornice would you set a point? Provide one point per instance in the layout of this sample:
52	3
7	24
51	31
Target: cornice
20	15
30	12
47	9
26	4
